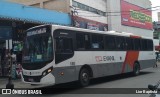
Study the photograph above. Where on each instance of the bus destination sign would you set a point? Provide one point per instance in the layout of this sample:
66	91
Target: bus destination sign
37	31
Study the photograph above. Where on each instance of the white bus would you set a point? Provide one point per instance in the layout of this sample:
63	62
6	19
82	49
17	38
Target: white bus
56	54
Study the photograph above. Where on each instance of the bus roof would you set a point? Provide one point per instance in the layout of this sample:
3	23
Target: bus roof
100	32
126	34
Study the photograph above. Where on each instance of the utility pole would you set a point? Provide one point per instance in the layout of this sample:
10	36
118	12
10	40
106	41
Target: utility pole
72	18
73	12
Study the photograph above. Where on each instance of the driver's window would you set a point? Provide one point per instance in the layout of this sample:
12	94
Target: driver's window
64	49
64	45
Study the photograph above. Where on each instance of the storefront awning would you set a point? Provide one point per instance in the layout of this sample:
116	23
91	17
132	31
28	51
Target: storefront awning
31	14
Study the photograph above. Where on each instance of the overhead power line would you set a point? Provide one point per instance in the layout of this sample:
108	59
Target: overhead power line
125	11
118	13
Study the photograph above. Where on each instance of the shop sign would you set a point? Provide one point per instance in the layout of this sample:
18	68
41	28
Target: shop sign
135	16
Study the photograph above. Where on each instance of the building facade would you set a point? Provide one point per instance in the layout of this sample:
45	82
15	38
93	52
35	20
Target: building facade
158	16
133	16
85	13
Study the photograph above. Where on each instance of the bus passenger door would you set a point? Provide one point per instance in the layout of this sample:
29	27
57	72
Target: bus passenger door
63	59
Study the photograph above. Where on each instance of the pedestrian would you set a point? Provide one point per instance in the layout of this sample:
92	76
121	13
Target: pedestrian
157	56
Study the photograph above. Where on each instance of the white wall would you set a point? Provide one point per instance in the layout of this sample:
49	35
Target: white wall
114	22
156	42
98	4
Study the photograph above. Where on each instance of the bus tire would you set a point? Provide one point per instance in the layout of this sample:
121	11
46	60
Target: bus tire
136	69
84	77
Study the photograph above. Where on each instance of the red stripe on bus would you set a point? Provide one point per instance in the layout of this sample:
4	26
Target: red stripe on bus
131	57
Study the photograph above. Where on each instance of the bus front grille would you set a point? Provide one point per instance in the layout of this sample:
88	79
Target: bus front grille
32	78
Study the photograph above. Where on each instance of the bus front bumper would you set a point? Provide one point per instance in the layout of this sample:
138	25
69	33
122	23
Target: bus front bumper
49	79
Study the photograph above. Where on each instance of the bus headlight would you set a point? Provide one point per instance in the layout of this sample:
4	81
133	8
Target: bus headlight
47	71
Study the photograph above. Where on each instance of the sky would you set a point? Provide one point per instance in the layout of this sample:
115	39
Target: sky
154	13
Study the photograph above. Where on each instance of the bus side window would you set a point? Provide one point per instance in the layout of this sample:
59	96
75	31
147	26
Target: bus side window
120	43
83	41
80	41
150	45
129	43
144	44
97	42
64	45
110	43
64	49
137	44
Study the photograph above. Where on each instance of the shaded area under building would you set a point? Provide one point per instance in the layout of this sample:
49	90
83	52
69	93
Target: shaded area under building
14	20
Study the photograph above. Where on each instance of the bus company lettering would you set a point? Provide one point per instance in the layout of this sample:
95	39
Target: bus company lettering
104	58
38	31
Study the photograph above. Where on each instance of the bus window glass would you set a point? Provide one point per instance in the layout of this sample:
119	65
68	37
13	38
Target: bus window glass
83	41
97	42
87	41
64	45
144	44
129	43
150	45
120	43
64	49
137	44
80	41
110	43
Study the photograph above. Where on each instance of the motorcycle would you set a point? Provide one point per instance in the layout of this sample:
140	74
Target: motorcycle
154	88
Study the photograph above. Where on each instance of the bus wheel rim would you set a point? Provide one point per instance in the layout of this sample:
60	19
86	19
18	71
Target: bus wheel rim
85	77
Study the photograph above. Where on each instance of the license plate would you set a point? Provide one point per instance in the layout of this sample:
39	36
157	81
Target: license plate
31	80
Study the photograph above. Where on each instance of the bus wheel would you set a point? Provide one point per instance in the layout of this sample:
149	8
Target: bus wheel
84	77
136	69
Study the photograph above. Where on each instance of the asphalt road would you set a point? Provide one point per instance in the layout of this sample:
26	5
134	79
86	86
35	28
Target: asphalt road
147	76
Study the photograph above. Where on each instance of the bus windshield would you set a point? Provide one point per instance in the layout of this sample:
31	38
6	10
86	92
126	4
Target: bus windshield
38	47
